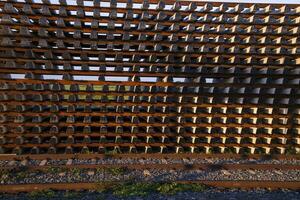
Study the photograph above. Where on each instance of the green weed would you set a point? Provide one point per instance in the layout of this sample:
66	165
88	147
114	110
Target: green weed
42	194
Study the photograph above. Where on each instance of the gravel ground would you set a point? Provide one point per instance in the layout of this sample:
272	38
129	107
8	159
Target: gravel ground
157	161
92	175
88	175
210	194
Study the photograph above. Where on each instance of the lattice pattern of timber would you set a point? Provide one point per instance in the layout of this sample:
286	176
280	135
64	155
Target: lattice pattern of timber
148	76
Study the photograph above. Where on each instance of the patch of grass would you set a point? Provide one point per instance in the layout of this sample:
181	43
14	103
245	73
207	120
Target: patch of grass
4	175
70	194
105	186
100	170
173	188
197	187
134	189
143	189
169	188
42	194
122	190
4	172
116	171
21	175
55	170
76	172
101	196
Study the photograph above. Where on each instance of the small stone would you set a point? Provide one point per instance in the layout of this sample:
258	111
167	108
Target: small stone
278	172
12	163
252	172
225	172
62	174
164	161
146	172
24	162
93	161
91	173
143	161
209	160
69	162
43	162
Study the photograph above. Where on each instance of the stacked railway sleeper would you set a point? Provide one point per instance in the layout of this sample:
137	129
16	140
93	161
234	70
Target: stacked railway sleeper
133	76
